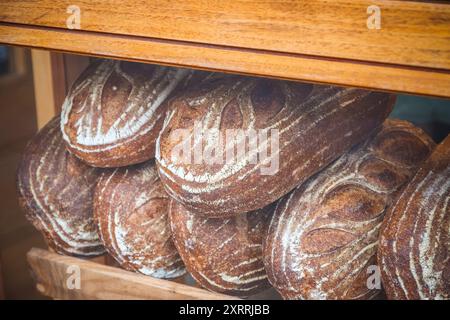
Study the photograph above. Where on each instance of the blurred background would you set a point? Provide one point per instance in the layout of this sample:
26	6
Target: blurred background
18	123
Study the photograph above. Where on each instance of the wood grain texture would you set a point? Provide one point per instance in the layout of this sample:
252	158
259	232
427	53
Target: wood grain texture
324	235
222	255
215	58
414	251
131	208
104	282
301	128
56	192
412	33
45	89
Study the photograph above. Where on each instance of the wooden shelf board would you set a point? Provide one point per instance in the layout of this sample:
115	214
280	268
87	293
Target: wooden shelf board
425	81
99	281
413	33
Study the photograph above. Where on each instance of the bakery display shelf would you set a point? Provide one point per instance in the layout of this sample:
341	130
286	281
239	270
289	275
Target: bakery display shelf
315	41
99	281
318	40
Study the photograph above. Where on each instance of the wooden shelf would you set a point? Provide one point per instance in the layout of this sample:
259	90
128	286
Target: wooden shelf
312	40
315	40
100	281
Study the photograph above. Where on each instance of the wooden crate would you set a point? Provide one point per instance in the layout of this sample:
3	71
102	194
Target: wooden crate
316	40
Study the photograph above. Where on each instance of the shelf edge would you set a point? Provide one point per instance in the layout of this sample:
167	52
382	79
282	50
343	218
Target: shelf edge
53	273
385	77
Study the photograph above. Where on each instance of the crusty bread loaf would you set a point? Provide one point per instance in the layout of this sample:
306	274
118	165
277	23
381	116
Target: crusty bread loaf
315	124
414	250
324	234
55	191
115	110
222	255
131	208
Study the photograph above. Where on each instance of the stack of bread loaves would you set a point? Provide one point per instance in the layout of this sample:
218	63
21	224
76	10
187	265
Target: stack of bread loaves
255	183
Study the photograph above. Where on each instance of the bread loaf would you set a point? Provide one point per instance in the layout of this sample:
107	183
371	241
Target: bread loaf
115	110
414	250
306	126
324	235
131	208
222	255
55	191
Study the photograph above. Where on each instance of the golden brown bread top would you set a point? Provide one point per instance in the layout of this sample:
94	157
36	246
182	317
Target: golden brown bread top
222	255
315	125
324	234
131	208
55	190
414	251
115	109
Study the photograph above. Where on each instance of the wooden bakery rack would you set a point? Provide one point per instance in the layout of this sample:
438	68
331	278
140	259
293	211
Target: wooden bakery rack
320	41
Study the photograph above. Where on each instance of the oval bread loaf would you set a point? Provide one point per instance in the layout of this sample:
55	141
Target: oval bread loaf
323	238
115	110
414	251
55	191
298	130
131	208
222	255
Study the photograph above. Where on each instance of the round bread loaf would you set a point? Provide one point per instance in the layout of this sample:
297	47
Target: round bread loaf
323	238
55	191
222	255
131	208
236	144
414	250
115	110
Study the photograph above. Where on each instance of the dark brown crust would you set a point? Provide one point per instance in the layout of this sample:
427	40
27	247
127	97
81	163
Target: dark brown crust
323	236
222	255
316	124
414	250
131	208
55	191
115	110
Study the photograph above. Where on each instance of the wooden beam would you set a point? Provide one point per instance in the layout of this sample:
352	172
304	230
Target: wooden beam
49	84
413	33
99	281
387	77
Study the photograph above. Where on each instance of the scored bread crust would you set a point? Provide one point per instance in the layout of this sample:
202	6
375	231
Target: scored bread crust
55	191
115	110
414	251
131	209
222	255
316	124
322	240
